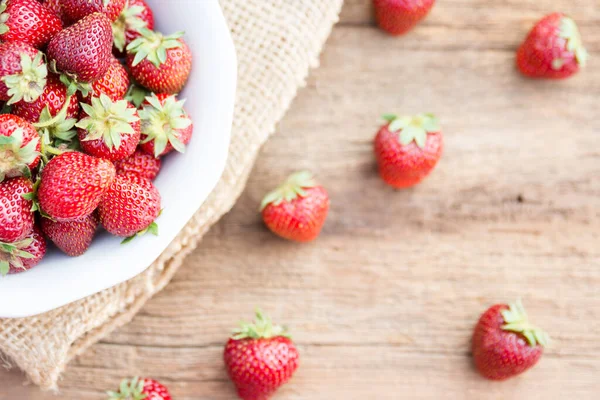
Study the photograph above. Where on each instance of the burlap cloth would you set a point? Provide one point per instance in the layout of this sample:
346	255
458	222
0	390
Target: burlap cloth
277	41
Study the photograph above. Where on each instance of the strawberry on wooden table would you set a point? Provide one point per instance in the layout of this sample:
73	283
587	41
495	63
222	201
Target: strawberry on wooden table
135	16
160	63
140	389
165	125
408	148
16	217
75	10
72	237
23	72
23	255
139	163
553	49
505	343
260	358
27	21
400	16
19	147
109	129
297	209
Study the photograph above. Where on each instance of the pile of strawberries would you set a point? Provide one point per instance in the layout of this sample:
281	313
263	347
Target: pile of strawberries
89	94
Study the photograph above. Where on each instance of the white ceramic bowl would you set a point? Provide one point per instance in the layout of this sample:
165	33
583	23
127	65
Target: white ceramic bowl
184	182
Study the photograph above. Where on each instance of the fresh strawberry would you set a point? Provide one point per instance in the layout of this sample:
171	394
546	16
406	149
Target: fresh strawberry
27	21
108	129
135	16
84	50
165	125
114	83
260	358
56	7
22	73
75	10
138	389
72	185
160	63
400	16
141	164
22	255
408	148
553	49
130	206
505	343
19	147
297	209
16	217
71	237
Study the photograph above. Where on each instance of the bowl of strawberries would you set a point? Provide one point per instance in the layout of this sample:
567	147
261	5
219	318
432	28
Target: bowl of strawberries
114	130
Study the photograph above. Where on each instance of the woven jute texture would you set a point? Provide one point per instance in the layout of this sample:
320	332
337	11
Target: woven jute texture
277	41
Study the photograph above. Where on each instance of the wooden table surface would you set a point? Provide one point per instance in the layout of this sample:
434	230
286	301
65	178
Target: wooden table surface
383	304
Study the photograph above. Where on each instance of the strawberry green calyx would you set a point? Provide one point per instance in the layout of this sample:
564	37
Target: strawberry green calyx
108	120
516	320
136	95
152	228
162	121
414	128
292	188
129	390
153	46
14	157
569	31
73	85
56	133
29	84
12	255
4	16
129	19
262	328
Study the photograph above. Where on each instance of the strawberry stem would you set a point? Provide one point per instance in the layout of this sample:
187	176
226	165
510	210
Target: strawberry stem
262	328
516	320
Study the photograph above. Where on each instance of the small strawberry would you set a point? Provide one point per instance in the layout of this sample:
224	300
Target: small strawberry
553	49
75	10
108	129
505	344
408	148
139	389
84	50
141	164
160	63
130	207
16	217
72	237
400	16
114	83
27	21
72	185
19	147
165	125
22	255
22	73
297	209
135	16
260	358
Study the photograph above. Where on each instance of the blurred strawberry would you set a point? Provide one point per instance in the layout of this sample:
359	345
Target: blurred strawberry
76	10
399	16
23	255
135	16
138	389
19	147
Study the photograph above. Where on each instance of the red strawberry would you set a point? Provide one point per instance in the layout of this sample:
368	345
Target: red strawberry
130	206
16	217
56	7
138	389
408	148
22	72
27	21
160	63
23	255
165	125
260	358
297	209
83	50
108	129
505	343
553	49
141	164
399	16
72	237
135	16
72	185
114	83
78	9
19	147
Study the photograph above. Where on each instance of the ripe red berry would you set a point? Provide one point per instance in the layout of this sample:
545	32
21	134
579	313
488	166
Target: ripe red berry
399	16
28	21
140	163
138	389
16	217
72	237
23	255
23	72
135	16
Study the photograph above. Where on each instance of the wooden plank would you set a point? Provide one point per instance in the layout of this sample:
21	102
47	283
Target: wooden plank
384	302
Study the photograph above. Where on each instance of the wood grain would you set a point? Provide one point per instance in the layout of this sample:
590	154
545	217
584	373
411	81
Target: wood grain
383	304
